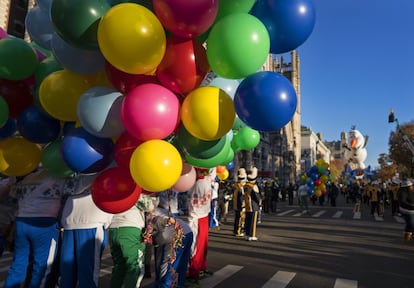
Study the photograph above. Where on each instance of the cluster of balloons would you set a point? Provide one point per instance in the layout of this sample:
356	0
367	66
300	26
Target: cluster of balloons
118	90
317	178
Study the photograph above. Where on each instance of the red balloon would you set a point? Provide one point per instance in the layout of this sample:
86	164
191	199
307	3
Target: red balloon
18	96
184	65
114	191
125	82
185	18
124	147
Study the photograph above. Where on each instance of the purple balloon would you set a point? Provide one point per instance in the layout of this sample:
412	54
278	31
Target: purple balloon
3	34
265	101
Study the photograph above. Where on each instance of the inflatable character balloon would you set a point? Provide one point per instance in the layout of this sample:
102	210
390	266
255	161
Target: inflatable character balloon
355	153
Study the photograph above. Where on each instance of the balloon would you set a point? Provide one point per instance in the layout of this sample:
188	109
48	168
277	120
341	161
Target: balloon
125	145
46	67
99	111
4	111
18	60
132	38
245	139
39	27
265	101
44	4
233	6
227	85
224	175
85	153
53	162
220	169
77	60
3	33
8	129
38	127
150	111
184	65
18	157
230	165
125	82
289	23
238	45
59	94
79	31
207	113
184	18
17	95
186	180
198	148
114	191
156	165
145	3
218	159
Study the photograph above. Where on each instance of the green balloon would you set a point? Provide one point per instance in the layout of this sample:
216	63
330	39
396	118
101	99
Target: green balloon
228	7
237	46
214	161
198	148
45	68
248	138
238	124
77	21
53	162
18	60
4	112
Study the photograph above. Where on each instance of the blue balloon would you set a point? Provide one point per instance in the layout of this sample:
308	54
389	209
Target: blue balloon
289	23
38	127
230	165
85	153
8	129
265	101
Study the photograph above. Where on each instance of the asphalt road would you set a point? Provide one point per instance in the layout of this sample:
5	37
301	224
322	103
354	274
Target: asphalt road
329	247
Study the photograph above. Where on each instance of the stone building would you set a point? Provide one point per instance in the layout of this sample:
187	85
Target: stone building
13	15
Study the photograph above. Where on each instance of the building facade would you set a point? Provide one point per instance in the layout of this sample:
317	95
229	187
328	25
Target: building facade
12	16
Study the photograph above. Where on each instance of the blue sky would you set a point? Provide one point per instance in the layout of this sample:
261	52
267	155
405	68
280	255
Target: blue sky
356	65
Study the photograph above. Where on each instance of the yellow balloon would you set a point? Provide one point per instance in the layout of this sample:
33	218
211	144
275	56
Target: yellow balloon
224	175
132	38
18	156
155	165
59	94
208	113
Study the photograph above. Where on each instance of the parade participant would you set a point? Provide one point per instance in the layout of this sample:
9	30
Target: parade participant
394	187
252	205
406	201
36	235
8	208
213	215
238	203
303	198
199	204
127	247
84	239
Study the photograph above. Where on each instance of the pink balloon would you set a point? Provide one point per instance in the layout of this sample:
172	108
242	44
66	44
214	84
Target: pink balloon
150	111
185	18
3	34
186	180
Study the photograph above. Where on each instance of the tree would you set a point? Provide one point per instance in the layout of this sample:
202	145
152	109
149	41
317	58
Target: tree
387	169
400	152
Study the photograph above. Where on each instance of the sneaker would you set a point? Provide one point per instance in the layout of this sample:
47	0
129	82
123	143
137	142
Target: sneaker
192	283
205	273
254	238
239	235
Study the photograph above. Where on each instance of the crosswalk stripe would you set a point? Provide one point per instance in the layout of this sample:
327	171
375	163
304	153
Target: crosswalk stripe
300	213
345	283
220	275
319	213
285	212
338	214
280	280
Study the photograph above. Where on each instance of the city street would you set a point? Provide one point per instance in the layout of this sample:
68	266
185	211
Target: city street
329	247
